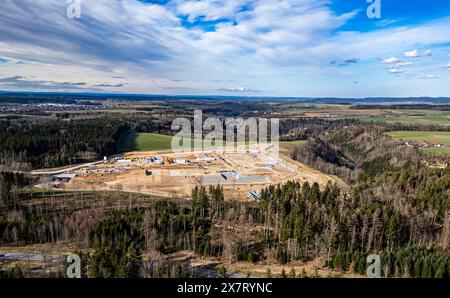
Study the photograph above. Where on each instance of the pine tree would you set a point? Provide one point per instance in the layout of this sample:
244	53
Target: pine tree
292	273
177	271
304	274
16	272
222	272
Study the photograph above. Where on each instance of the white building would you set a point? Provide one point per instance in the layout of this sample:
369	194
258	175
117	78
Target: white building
181	161
204	159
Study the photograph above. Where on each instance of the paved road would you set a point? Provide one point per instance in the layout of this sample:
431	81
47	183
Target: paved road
65	169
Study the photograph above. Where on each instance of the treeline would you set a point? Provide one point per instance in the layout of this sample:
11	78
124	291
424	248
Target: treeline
37	217
11	185
345	152
416	106
411	261
118	247
22	98
308	127
179	227
292	222
297	222
416	127
26	144
36	225
396	204
118	244
308	223
380	169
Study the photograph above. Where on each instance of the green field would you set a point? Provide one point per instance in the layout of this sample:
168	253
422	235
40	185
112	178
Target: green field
426	117
298	142
133	141
425	136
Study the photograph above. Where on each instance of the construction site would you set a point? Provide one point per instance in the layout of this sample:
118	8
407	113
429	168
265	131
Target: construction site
242	173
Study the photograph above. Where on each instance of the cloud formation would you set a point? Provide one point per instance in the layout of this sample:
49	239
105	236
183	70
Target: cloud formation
391	60
395	70
345	62
417	54
19	82
238	90
277	44
110	85
429	77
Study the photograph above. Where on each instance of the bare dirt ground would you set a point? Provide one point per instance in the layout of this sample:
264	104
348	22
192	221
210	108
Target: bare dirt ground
251	170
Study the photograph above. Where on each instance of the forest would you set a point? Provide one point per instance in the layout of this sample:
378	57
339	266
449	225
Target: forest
28	144
292	222
395	205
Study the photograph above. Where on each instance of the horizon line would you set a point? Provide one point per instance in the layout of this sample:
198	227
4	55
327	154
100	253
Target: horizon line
2	92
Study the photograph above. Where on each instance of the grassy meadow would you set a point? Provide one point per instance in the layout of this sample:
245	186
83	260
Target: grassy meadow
441	137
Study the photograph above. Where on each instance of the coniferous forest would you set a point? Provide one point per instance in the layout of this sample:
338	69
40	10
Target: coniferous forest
228	139
394	204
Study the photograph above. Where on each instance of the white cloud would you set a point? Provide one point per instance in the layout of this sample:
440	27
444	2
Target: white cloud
18	82
390	60
401	64
427	53
395	70
412	54
272	43
387	22
238	89
209	10
417	54
118	85
430	77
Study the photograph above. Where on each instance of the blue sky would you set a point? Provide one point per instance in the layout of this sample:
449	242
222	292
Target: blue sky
306	48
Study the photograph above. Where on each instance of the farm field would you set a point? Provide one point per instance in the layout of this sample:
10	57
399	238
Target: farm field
133	141
287	147
426	117
336	112
297	142
441	137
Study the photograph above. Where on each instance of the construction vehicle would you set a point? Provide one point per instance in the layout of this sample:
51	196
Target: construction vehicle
167	160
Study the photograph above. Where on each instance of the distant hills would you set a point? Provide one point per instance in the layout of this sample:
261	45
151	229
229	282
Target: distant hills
7	96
